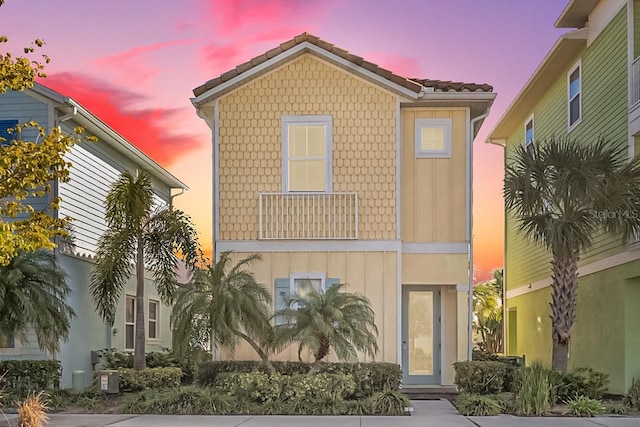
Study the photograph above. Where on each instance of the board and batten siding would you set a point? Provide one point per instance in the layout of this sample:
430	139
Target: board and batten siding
604	114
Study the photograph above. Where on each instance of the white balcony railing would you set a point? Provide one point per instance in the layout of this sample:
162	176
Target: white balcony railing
635	82
308	215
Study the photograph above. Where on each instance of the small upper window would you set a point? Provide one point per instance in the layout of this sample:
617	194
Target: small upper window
300	281
529	134
5	135
7	341
433	137
129	323
154	308
575	95
306	143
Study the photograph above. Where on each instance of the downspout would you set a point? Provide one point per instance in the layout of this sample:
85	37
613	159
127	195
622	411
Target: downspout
175	195
472	124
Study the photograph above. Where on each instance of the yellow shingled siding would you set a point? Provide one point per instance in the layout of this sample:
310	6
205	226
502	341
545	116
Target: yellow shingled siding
364	132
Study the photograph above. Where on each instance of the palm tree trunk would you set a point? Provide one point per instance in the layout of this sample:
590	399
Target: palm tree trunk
256	347
315	368
139	361
323	351
563	304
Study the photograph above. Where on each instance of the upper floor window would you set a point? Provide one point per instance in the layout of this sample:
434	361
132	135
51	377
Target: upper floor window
306	153
9	346
433	138
154	308
129	322
5	136
529	134
575	95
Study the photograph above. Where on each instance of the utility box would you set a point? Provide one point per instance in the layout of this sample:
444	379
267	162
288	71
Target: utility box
108	381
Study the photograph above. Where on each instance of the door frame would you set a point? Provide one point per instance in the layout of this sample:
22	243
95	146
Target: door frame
438	351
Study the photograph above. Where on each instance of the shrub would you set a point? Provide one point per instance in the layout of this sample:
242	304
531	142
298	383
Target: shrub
583	406
632	398
178	401
389	402
65	398
156	359
534	389
369	377
21	376
582	382
471	404
133	380
483	377
33	411
618	408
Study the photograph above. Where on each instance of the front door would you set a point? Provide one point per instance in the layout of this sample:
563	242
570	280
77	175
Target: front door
420	335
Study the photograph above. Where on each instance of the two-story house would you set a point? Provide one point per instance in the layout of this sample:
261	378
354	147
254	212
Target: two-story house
95	166
337	170
588	86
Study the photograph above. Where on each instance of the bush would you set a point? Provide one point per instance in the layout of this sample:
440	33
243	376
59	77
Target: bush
583	406
369	377
534	389
618	408
178	401
632	398
33	411
22	376
66	398
389	402
165	359
133	380
481	377
582	382
471	404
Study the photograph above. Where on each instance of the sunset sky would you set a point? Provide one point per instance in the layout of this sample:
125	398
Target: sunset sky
134	64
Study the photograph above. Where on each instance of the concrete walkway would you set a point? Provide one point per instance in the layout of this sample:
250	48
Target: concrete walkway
429	413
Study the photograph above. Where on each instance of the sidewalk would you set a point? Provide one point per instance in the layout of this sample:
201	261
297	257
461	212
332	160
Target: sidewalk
426	413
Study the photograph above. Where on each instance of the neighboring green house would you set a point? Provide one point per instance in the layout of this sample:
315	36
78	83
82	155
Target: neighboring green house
588	86
95	166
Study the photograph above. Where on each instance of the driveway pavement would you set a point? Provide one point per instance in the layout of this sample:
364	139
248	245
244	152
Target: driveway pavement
426	413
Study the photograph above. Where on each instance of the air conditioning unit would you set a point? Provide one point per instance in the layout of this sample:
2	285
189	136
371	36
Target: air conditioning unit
108	381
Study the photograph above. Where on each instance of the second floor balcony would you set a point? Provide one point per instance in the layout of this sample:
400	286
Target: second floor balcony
298	216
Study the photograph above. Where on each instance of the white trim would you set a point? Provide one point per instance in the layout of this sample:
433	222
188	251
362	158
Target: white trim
439	123
441	317
577	65
585	270
468	174
400	313
216	170
156	320
294	51
398	169
462	287
302	120
308	246
531	120
630	59
436	248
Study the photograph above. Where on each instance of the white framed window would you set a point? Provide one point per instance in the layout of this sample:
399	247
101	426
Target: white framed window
574	95
529	133
153	316
298	281
129	322
433	138
306	153
9	345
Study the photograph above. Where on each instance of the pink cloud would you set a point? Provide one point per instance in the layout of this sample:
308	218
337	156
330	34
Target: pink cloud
151	130
400	64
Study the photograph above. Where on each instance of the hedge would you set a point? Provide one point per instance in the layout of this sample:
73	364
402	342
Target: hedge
21	376
368	377
133	380
481	377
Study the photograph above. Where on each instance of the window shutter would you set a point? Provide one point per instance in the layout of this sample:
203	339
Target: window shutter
331	283
282	289
8	137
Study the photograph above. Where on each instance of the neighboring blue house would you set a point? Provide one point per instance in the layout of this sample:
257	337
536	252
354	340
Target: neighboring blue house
95	167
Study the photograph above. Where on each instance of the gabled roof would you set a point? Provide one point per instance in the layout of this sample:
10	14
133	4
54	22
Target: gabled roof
96	126
415	86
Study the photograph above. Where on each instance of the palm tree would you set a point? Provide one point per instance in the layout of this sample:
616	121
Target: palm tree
487	310
320	320
224	302
145	236
563	193
33	292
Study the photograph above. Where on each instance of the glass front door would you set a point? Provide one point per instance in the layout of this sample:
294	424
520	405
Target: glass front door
421	335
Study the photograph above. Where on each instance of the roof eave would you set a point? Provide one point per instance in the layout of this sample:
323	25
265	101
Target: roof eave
299	49
555	62
576	14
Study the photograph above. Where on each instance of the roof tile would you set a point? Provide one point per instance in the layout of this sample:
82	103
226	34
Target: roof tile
414	84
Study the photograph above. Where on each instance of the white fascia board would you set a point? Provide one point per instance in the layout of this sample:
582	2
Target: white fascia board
125	147
436	248
301	48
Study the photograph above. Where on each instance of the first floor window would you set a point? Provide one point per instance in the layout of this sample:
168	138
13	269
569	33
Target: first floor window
306	148
433	138
7	341
154	307
5	136
130	323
